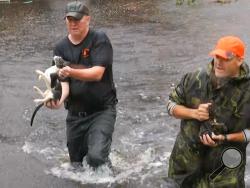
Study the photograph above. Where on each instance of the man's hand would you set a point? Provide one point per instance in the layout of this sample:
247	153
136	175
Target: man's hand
213	141
65	72
52	104
202	112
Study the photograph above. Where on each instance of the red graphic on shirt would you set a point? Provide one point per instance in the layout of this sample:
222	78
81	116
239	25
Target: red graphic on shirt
85	52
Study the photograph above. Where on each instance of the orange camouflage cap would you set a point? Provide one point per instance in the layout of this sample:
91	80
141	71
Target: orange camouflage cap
229	46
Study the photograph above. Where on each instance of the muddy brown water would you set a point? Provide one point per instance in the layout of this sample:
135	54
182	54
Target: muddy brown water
154	43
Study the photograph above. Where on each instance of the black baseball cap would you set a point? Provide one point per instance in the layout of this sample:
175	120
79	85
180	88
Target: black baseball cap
76	9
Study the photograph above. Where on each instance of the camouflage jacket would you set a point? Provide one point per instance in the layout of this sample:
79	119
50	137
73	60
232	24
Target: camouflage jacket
229	99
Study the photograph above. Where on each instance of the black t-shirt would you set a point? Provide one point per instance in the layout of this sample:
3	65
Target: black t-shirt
94	50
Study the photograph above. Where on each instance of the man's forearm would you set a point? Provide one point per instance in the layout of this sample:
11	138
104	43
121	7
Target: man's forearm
183	112
242	136
236	137
88	74
200	113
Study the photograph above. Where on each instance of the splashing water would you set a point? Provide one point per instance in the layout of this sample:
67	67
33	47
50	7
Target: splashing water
123	169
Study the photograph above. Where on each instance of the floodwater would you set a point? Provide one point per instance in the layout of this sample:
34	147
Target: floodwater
155	43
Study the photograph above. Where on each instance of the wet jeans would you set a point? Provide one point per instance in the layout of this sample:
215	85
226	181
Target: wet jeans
91	136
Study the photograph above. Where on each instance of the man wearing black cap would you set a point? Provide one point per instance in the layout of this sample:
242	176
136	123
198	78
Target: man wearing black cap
91	100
